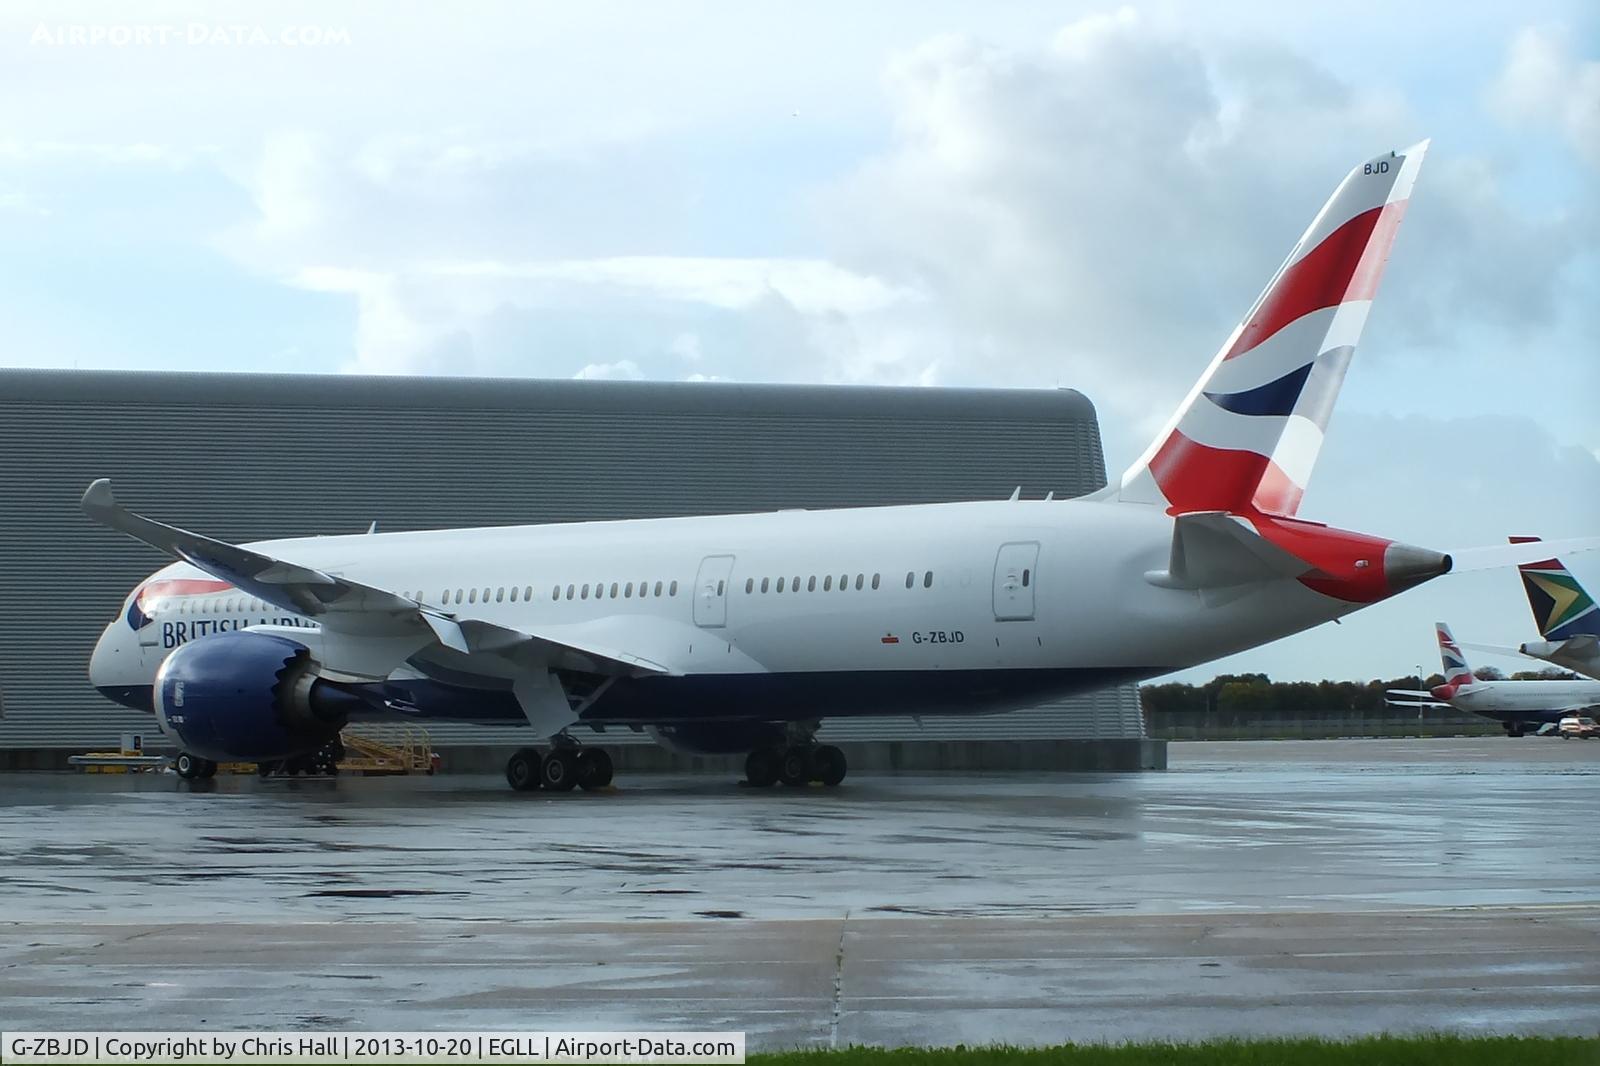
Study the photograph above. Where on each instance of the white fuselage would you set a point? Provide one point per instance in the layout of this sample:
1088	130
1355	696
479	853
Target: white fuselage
1547	698
1027	586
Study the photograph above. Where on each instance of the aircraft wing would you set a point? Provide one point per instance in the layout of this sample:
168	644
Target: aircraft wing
284	584
1495	649
1495	556
381	625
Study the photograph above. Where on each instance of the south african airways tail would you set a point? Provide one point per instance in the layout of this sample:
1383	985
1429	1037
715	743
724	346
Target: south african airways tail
1567	616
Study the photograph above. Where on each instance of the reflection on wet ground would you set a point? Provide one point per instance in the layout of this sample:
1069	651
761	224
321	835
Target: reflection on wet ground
1222	881
1263	826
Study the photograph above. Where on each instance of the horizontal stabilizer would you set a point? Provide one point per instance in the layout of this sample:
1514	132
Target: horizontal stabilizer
1212	550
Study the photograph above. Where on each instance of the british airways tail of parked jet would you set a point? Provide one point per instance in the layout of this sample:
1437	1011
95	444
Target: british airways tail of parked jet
1567	616
739	633
1248	434
1517	705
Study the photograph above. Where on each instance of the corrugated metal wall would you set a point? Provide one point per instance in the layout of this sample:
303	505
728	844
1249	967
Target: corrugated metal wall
246	457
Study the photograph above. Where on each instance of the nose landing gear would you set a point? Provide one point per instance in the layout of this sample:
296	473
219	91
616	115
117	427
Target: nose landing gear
192	767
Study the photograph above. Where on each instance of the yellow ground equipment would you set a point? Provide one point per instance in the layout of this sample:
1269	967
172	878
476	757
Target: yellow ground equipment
128	759
382	748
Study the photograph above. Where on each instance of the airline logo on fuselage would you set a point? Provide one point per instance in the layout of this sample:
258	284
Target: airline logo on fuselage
175	633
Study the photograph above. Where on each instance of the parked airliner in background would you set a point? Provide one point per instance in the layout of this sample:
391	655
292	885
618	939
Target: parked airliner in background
738	633
1567	617
1517	705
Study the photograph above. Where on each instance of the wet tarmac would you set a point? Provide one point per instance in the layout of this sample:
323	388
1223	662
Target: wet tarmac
1256	887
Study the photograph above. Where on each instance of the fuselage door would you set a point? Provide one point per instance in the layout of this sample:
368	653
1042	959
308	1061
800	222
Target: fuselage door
711	591
1015	578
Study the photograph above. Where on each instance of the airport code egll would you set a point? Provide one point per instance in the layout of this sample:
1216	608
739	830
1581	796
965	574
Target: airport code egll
483	1047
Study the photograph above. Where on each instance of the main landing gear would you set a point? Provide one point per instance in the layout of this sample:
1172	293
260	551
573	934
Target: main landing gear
795	765
561	769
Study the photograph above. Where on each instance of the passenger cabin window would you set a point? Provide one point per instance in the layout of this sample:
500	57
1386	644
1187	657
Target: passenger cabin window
658	588
764	583
458	595
672	589
859	582
875	581
500	594
1025	575
749	585
627	591
585	593
513	594
927	579
844	582
811	583
472	596
613	590
827	583
780	584
911	578
527	592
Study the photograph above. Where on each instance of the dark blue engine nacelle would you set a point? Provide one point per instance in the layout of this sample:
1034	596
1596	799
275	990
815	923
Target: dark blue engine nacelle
247	697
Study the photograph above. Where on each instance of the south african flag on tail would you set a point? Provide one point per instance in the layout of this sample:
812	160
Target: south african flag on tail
1561	607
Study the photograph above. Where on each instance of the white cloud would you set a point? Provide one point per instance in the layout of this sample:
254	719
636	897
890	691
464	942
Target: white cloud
810	286
621	370
1543	82
1100	211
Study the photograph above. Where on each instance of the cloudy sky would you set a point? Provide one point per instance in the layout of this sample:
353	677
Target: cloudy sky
926	193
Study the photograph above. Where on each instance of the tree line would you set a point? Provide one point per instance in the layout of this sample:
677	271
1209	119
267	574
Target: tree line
1258	692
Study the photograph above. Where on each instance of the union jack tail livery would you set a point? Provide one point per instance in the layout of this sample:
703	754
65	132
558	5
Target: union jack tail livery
1248	434
1457	674
1561	607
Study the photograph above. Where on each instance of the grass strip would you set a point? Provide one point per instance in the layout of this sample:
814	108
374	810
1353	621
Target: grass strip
1424	1050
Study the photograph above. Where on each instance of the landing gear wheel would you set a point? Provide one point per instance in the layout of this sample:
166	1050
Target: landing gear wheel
794	768
828	765
189	766
594	769
761	768
208	770
264	769
522	770
559	771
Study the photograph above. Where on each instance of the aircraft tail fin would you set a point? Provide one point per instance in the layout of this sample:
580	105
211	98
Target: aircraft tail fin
1561	606
1247	436
1457	672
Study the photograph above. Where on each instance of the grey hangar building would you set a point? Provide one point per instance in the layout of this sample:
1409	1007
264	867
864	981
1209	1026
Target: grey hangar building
254	456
